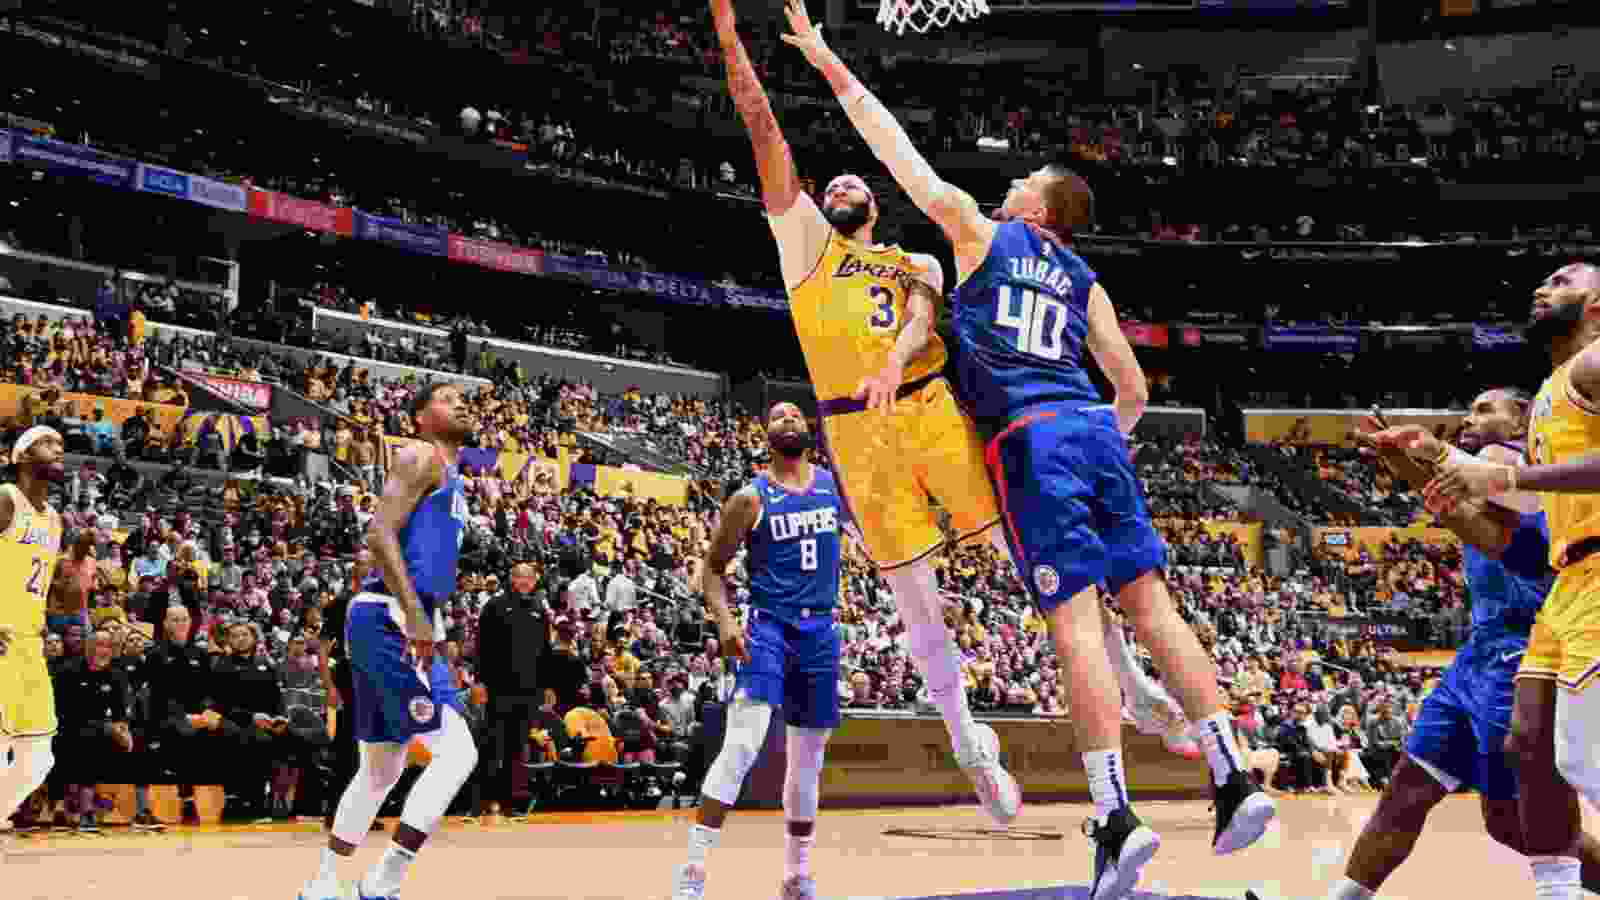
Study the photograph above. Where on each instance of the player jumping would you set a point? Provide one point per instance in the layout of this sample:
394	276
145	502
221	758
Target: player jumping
790	519
1461	734
30	544
1564	642
1025	310
403	689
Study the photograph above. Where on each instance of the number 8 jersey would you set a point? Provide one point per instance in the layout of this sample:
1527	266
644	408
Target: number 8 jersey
1019	324
28	553
794	548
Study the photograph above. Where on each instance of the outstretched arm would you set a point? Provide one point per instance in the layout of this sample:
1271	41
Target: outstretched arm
1114	355
952	208
780	183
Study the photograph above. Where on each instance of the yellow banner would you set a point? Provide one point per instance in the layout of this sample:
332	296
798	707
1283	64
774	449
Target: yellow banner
163	417
1345	541
1248	534
669	490
1332	427
903	759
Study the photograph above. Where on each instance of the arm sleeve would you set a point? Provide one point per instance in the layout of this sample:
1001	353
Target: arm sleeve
802	234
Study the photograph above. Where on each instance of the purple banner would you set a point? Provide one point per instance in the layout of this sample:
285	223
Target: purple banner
74	159
5	145
1327	340
423	239
669	287
1485	337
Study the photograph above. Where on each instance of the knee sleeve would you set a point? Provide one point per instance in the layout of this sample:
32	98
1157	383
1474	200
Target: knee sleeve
916	595
746	732
1577	730
31	762
802	784
455	755
379	770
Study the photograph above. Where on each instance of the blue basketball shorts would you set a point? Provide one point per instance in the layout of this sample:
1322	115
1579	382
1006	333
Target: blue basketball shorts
395	699
1461	728
794	664
1073	509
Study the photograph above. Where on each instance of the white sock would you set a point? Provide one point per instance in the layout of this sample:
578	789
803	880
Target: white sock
933	649
1108	782
797	856
1556	877
1215	734
702	840
1349	890
385	878
328	869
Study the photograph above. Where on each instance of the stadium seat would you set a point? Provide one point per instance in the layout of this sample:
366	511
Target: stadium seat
665	774
541	784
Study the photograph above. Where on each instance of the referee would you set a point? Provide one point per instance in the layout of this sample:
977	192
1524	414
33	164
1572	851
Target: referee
336	680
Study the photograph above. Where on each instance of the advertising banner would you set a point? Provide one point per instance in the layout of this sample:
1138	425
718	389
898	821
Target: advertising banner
163	417
73	159
156	180
253	394
1382	629
218	194
1143	334
5	145
670	287
491	255
1312	338
276	207
424	239
1485	337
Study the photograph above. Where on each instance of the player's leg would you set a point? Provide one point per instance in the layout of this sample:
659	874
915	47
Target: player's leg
455	755
1558	850
811	711
31	762
379	770
1572	617
760	686
1439	757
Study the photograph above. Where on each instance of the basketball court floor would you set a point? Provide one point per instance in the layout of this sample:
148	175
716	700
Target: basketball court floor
945	853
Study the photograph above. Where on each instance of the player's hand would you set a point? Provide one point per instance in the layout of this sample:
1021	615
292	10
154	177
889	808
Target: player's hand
1415	440
1463	481
733	642
422	650
805	37
879	390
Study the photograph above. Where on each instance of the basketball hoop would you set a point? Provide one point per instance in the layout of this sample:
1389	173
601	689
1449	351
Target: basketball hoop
922	15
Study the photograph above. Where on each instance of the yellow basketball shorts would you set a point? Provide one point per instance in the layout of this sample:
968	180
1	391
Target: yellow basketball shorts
1564	643
889	465
27	699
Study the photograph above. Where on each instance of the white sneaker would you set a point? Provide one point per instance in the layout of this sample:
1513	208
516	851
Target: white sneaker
798	887
1159	715
325	890
997	790
689	883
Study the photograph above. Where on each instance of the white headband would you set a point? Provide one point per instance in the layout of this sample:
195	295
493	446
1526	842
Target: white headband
29	438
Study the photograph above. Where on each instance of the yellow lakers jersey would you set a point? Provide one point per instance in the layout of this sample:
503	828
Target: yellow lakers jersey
848	313
28	553
1565	426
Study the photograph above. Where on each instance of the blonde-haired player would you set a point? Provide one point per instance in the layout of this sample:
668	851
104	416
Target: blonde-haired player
865	315
1564	437
30	543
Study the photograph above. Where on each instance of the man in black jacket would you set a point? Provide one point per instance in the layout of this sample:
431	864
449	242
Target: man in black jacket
94	698
188	732
513	652
246	688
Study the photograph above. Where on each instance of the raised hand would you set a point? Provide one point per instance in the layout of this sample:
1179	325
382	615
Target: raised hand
805	36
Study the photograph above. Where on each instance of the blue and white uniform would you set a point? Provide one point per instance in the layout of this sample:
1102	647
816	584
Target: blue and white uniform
1461	729
794	562
1074	510
397	698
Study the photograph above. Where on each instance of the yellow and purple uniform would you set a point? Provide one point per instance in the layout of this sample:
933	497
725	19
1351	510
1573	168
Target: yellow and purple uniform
29	549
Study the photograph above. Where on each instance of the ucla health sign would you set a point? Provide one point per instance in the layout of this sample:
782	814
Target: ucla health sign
156	180
217	194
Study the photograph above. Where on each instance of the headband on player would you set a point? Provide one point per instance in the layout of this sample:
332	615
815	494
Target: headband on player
29	438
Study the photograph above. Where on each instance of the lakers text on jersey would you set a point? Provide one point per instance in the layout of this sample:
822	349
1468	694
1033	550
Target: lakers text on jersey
29	550
1565	641
848	314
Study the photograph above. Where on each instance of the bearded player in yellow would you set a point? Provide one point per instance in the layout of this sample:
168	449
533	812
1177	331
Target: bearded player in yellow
1564	431
30	542
865	317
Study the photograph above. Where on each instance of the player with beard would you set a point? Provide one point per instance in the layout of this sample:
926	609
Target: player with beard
401	687
1564	643
1461	735
865	314
790	519
1026	315
30	543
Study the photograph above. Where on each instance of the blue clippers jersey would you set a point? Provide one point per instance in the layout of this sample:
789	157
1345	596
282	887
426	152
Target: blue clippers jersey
431	542
1020	323
1507	592
794	547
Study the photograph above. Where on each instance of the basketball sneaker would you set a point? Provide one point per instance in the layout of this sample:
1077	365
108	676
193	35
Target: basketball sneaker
326	890
690	883
997	790
798	887
1158	715
1122	847
1243	813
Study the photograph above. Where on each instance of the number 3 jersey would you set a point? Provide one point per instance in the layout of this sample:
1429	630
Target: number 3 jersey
1020	323
28	553
794	548
848	311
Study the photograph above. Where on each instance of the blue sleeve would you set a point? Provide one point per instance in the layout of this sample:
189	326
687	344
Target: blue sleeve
1528	554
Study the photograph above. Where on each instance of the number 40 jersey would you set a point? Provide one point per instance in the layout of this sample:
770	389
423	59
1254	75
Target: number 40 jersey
1019	324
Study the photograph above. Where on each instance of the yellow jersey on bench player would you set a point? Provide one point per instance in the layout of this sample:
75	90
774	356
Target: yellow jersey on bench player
848	300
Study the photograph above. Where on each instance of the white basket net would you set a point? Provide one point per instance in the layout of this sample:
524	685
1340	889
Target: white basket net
922	15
